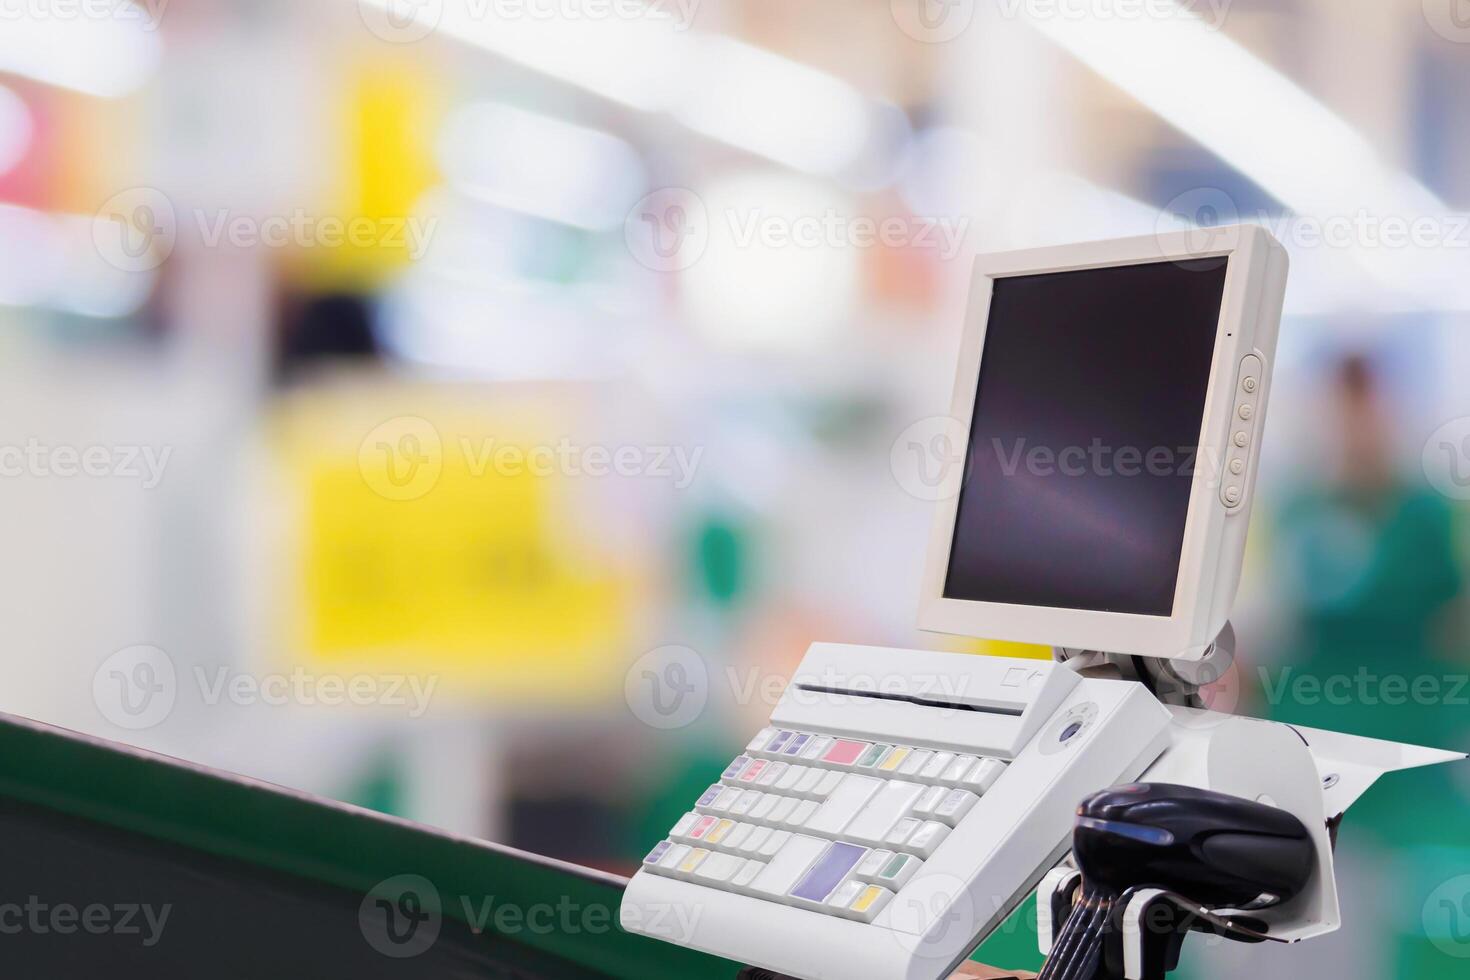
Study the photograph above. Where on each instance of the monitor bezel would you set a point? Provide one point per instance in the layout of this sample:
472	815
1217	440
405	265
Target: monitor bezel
1206	569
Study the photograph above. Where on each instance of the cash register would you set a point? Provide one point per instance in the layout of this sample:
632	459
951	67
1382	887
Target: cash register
900	804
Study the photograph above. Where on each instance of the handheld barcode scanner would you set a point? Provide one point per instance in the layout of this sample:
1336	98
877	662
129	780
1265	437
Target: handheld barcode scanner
1093	494
1142	845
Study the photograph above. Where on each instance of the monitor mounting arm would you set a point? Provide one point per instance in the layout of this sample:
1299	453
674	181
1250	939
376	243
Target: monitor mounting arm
1172	681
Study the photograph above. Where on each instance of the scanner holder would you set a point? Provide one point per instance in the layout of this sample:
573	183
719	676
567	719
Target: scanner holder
1147	929
1173	682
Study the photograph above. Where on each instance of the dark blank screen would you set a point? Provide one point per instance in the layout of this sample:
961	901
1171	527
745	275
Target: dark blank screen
1082	445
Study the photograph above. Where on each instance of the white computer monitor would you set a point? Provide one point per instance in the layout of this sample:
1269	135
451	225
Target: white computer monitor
1112	395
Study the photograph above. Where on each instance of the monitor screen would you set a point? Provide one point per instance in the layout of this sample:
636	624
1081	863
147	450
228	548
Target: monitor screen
1084	437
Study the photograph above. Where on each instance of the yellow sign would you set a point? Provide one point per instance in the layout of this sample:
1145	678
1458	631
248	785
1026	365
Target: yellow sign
418	554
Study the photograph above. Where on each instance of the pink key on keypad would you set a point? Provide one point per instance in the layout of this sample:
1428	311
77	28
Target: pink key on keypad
845	752
703	827
753	771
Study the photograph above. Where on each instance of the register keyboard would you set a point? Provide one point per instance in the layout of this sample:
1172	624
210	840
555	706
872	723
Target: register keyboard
897	808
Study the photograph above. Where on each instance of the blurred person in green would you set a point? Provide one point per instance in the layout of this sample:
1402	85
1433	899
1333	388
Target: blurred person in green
1376	648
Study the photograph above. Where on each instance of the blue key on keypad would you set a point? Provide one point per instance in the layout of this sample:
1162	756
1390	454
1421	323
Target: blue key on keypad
830	871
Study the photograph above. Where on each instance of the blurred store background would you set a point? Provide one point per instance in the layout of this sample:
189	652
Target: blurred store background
395	393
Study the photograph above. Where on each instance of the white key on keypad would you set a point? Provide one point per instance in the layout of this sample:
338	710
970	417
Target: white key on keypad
890	804
817	748
738	836
901	832
774	843
787	866
763	807
875	862
926	840
931	798
957	770
790	776
673	857
782	810
957	803
752	843
830	782
916	761
983	776
851	795
684	823
761	739
803	812
808	782
748	872
718	869
745	803
936	766
844	895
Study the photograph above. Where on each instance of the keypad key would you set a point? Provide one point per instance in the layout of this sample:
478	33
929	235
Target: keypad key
752	844
691	862
734	769
933	796
717	869
916	761
897	871
934	769
895	758
845	895
926	840
774	774
748	872
672	858
684	823
761	740
845	752
788	865
872	757
872	900
790	777
830	782
782	810
845	803
875	862
725	800
659	850
803	813
702	826
709	796
778	744
738	836
743	805
774	843
753	771
901	832
796	745
889	805
983	776
830	870
959	768
761	812
807	784
957	803
817	747
719	831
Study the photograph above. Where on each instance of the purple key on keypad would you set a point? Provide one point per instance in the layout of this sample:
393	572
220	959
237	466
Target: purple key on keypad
797	744
779	742
656	855
710	795
735	767
830	871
